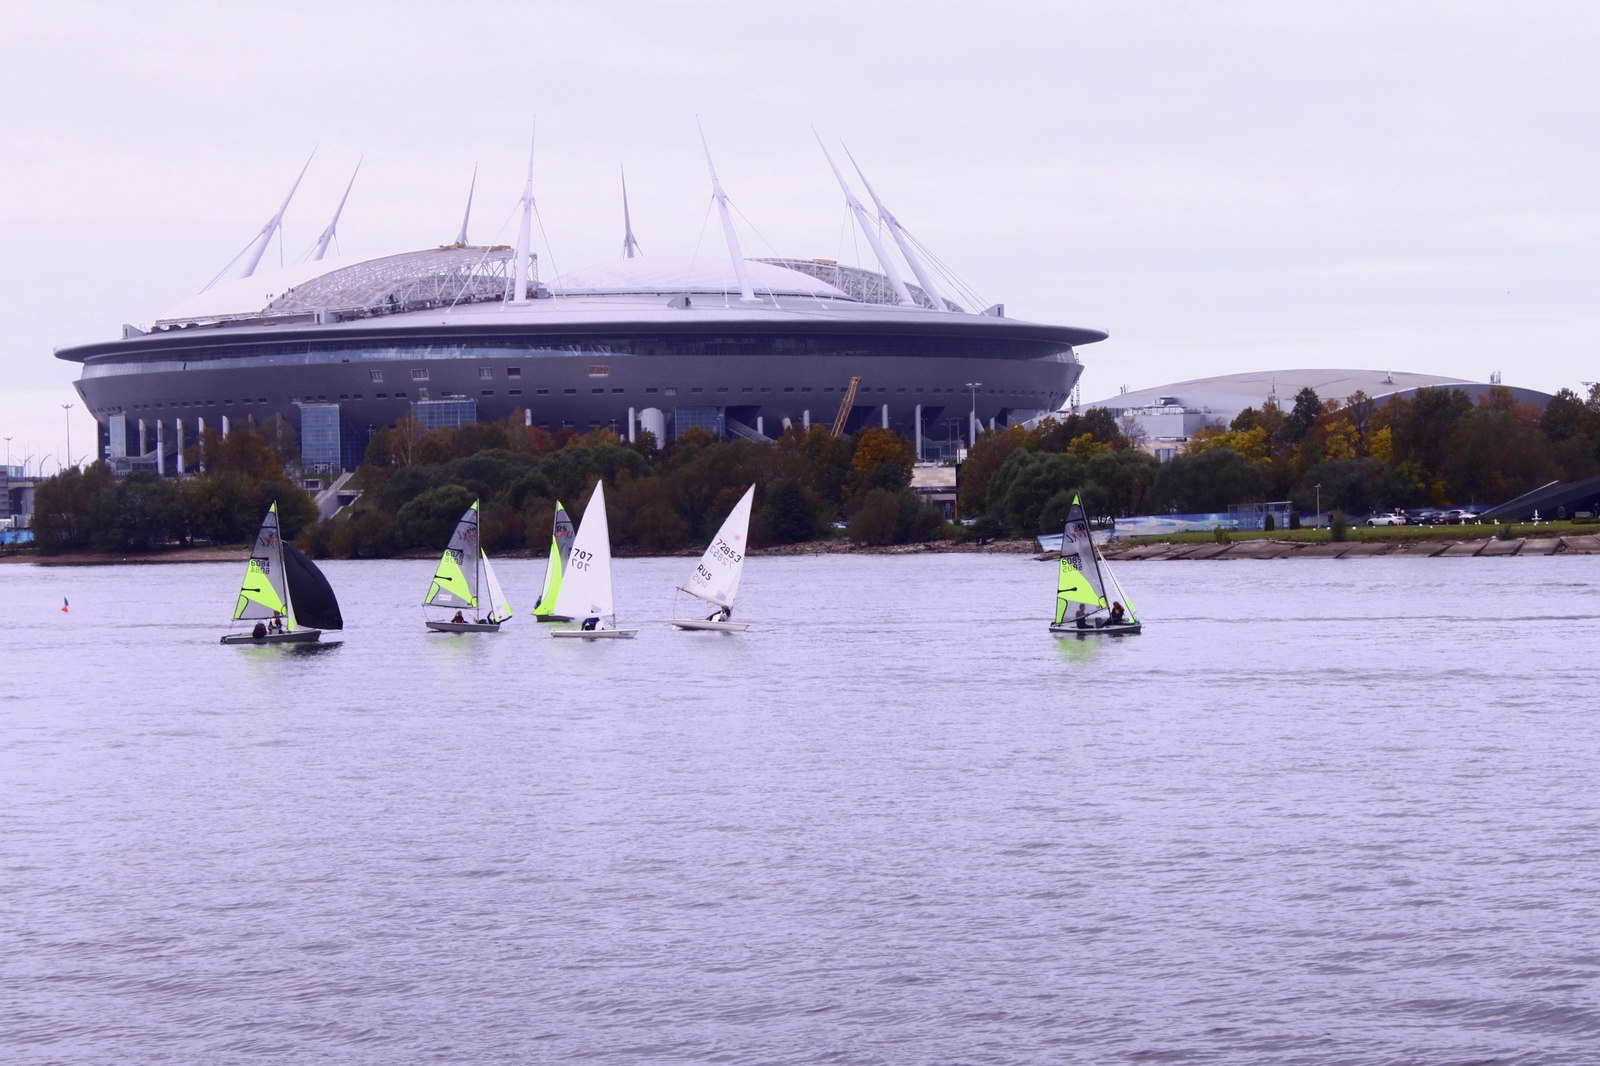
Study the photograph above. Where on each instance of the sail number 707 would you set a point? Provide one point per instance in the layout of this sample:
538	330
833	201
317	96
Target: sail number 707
581	560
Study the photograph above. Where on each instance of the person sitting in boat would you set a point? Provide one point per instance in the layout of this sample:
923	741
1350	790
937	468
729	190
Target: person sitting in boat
591	623
721	614
276	625
1082	617
459	619
259	631
1118	615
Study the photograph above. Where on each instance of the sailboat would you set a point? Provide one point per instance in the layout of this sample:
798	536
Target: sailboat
1082	577
715	579
283	592
560	549
465	581
586	584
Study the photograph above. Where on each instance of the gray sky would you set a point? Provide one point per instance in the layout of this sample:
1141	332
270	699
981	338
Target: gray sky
1223	187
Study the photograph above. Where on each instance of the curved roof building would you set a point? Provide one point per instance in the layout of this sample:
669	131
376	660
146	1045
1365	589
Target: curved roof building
459	333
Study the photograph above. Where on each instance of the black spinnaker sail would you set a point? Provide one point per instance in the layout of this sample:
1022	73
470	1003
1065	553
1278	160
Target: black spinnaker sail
314	603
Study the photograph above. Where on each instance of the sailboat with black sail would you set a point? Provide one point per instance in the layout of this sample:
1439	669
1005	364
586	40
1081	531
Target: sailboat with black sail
561	533
1089	601
715	580
586	585
283	593
465	582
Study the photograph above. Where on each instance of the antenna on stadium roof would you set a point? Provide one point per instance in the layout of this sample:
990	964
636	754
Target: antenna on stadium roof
898	232
461	238
889	269
321	247
746	294
519	292
251	256
630	247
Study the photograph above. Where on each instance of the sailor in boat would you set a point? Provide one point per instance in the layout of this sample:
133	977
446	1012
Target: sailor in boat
591	623
1082	617
721	614
1118	616
458	619
276	625
260	631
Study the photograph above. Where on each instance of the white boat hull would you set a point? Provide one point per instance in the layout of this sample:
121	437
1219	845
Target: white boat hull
595	634
714	626
464	627
1071	630
299	636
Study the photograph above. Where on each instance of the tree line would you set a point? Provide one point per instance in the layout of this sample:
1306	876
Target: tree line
1436	447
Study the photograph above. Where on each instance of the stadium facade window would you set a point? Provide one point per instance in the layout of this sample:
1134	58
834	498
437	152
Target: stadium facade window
320	436
377	376
445	414
485	373
513	371
419	373
596	370
709	419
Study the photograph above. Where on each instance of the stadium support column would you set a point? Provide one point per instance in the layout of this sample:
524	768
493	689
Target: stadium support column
161	448
805	419
918	432
200	442
630	425
142	449
761	426
177	424
885	416
224	427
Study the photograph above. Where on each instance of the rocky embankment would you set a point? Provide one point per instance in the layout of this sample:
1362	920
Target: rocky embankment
1485	547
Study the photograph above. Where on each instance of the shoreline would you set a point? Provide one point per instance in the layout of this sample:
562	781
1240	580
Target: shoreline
1488	547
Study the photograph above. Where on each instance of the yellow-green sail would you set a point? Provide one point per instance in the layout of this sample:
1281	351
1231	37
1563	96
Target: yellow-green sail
264	592
560	545
1078	578
454	585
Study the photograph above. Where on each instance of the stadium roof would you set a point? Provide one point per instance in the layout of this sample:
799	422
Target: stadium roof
1228	394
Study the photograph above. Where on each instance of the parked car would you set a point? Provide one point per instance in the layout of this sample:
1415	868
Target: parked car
1387	518
1458	516
1422	517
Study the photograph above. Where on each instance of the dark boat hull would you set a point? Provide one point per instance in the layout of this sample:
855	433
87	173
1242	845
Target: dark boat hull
299	636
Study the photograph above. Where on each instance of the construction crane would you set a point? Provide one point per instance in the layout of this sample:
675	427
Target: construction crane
844	407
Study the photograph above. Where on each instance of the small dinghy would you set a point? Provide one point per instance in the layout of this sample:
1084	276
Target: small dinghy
586	584
1083	581
465	582
715	579
283	593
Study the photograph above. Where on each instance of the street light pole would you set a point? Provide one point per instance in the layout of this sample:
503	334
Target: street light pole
1319	503
974	386
67	407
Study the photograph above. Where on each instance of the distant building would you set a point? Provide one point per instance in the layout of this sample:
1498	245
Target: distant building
1167	416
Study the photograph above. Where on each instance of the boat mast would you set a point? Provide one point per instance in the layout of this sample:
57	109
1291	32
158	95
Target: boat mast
901	240
889	269
519	291
323	241
746	294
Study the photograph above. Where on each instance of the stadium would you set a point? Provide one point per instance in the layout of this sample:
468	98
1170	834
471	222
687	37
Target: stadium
458	333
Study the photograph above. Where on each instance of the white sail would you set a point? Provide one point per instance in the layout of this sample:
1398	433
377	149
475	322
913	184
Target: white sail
586	585
499	608
716	578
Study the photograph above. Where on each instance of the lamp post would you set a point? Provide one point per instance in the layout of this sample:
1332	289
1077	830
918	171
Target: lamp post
973	387
1319	503
67	408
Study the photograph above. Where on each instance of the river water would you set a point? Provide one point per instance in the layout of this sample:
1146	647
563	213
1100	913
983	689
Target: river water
1320	811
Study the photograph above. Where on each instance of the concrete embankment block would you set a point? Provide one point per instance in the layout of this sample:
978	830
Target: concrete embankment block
1208	551
1420	549
1463	547
1540	546
1581	544
1258	549
1325	550
1496	547
1145	551
1366	549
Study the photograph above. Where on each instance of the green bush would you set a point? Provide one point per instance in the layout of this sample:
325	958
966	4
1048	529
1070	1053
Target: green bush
1339	526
